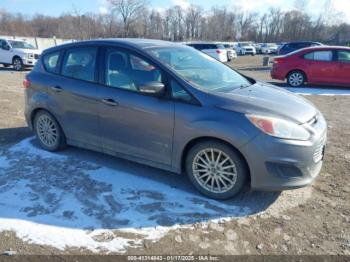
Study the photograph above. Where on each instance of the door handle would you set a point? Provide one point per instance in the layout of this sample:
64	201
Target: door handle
57	89
109	101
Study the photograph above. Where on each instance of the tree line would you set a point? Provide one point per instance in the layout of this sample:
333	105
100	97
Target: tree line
134	18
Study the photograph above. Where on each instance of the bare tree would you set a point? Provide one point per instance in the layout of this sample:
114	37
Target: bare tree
131	18
193	17
129	11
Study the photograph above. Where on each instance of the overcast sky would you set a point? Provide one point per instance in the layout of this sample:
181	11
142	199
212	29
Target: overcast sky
56	7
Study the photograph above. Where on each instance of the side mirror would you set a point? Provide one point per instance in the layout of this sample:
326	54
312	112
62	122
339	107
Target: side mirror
152	88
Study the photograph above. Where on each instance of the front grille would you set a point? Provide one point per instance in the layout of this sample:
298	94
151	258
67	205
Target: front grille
36	56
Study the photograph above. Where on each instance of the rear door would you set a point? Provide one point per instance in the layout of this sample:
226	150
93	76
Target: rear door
134	124
73	92
343	67
320	66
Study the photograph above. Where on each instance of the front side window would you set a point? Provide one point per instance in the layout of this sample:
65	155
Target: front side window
80	63
319	56
129	71
180	94
50	61
201	70
344	56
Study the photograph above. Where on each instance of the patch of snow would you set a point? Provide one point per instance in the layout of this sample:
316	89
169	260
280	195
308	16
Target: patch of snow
102	203
319	91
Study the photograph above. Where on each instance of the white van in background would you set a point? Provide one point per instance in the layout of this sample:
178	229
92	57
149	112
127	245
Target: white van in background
215	50
18	53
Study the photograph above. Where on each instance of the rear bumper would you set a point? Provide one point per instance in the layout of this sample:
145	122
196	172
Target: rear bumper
279	164
277	73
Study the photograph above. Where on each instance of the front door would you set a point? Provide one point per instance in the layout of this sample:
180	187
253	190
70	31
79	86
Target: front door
132	123
5	52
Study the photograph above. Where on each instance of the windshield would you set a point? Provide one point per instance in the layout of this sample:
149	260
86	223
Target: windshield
245	44
21	44
201	70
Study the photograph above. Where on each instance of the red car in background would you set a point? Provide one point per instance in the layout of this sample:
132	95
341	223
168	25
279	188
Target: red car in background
328	65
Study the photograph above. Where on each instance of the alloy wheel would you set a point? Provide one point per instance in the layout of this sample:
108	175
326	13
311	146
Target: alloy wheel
47	131
17	64
214	170
296	79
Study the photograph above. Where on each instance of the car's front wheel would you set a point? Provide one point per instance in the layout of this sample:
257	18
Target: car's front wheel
216	169
296	78
48	131
17	64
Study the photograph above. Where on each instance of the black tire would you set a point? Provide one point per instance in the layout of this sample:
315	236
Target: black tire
242	171
296	78
60	141
17	64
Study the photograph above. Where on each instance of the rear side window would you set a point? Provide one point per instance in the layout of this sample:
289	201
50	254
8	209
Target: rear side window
320	56
80	63
50	61
344	56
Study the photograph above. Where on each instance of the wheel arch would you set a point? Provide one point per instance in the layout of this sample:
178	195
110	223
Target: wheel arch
297	70
16	56
198	140
38	109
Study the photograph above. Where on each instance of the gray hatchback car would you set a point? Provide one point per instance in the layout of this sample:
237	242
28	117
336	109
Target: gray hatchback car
172	107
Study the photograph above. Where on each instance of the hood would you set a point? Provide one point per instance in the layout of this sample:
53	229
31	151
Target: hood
265	99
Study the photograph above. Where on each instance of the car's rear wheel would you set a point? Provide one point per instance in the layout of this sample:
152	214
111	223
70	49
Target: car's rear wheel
296	78
216	169
17	64
48	131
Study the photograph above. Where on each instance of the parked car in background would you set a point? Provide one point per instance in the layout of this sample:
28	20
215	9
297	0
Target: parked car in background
268	48
245	48
231	52
293	46
169	106
315	65
215	50
17	53
258	47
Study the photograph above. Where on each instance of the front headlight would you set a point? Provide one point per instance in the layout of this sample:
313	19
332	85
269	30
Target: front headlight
279	127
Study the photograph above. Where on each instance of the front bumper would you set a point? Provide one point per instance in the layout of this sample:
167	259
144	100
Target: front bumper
278	164
249	52
29	61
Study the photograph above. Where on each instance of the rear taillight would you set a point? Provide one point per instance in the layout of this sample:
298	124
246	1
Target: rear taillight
26	83
218	51
277	61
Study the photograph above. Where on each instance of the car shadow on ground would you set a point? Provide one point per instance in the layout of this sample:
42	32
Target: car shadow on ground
81	189
11	70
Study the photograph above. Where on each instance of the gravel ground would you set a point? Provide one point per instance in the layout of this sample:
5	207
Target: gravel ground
312	220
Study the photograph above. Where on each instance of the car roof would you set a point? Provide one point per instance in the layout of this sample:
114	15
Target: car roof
203	43
325	47
137	43
303	42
